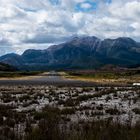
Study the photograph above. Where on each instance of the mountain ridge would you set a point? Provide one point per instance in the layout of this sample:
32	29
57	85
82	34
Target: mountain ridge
79	52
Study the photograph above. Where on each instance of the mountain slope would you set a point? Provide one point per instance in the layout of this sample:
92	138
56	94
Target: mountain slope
12	59
80	52
6	67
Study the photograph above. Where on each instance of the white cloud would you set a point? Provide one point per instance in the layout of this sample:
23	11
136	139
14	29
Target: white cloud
130	10
32	23
86	5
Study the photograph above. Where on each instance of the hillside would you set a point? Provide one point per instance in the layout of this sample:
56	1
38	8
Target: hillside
6	67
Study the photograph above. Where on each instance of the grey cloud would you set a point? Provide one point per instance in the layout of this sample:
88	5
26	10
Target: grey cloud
4	42
43	39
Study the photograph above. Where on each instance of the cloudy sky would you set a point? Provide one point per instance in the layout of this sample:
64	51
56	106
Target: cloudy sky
37	24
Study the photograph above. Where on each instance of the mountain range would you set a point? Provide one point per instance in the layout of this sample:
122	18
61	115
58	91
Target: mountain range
79	53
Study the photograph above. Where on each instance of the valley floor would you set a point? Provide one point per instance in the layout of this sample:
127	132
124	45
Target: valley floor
60	106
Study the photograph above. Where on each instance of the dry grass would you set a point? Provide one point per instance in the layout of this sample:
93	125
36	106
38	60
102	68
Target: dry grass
21	78
123	80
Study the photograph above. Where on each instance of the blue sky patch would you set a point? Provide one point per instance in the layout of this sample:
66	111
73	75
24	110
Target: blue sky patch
54	2
86	6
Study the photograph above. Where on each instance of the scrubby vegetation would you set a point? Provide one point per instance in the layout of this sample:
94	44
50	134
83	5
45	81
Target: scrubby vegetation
69	113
